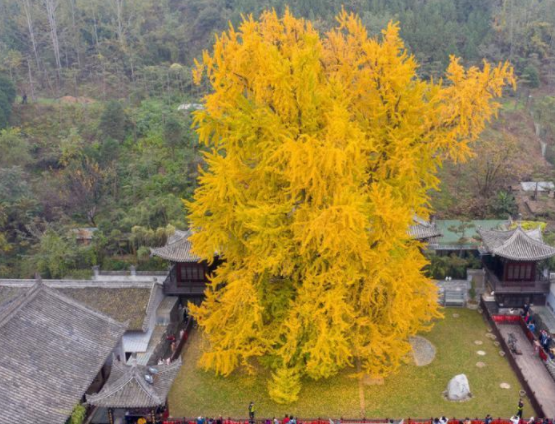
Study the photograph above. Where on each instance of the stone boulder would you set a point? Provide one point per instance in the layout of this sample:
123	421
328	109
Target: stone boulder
458	388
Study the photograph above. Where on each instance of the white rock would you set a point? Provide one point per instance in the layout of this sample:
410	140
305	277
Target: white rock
458	388
505	385
481	353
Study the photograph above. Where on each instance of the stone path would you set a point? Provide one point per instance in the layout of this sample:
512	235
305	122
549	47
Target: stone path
533	369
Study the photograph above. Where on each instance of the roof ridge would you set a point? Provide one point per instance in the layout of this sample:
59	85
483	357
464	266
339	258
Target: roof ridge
10	308
7	282
520	232
149	308
131	373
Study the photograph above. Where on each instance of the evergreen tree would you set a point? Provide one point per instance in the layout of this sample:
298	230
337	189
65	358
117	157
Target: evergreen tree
7	97
113	121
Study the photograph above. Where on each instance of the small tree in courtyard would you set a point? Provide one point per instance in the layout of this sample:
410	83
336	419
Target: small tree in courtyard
320	151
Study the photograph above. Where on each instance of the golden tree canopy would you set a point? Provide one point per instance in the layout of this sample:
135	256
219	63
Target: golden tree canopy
321	150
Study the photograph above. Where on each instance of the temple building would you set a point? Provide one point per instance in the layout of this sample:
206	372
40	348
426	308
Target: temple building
425	231
514	262
134	391
188	273
137	301
53	350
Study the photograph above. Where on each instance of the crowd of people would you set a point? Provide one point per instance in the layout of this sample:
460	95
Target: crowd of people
290	419
545	340
515	419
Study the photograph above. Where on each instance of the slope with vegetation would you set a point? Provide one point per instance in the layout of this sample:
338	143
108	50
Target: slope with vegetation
140	53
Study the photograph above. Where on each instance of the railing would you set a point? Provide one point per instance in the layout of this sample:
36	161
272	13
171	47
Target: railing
496	320
540	285
342	421
186	332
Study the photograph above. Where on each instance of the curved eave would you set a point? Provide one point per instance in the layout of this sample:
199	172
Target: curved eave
516	257
159	252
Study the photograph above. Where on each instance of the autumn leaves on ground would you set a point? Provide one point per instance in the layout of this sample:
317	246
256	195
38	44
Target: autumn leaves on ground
413	392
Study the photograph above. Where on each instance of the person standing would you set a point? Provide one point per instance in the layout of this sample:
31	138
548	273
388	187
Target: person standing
251	411
520	408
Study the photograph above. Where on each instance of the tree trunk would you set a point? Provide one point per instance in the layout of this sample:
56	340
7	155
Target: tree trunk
31	85
119	17
75	33
51	6
27	9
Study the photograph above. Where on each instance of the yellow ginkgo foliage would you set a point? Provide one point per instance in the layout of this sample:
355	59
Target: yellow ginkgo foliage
320	151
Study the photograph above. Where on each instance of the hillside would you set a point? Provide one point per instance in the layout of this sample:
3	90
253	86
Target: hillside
509	151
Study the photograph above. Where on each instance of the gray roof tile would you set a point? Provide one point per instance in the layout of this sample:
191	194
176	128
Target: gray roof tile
127	388
516	244
177	249
52	348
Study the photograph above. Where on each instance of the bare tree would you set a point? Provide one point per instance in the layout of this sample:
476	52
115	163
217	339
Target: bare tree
75	33
119	17
51	6
27	9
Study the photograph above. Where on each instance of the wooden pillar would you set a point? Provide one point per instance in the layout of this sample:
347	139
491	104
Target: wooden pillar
110	416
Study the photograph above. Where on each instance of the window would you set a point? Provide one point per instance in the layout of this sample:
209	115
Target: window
510	272
191	273
528	275
523	271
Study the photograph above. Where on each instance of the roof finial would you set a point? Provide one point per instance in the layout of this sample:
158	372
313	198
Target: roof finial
38	278
519	223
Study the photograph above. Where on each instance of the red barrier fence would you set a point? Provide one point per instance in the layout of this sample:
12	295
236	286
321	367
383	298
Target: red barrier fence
506	319
343	421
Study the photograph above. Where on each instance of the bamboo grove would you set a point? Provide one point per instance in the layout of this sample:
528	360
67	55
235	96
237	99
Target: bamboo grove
321	148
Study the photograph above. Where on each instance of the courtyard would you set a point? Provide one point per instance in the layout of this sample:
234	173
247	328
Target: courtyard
414	391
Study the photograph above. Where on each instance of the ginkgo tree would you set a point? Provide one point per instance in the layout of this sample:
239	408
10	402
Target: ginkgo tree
320	149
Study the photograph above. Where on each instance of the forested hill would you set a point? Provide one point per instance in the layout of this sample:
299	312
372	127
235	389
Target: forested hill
94	166
107	48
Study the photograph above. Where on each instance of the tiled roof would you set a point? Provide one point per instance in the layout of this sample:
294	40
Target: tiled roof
516	244
51	349
122	301
127	388
177	249
422	229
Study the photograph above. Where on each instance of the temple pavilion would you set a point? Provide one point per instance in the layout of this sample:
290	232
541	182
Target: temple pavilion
135	391
515	265
188	273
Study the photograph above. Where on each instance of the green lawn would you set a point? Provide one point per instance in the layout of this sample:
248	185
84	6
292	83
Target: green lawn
413	392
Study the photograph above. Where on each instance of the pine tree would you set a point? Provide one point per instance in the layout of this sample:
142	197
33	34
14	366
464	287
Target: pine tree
320	150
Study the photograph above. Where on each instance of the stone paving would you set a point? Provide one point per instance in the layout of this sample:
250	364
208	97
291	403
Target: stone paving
536	374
